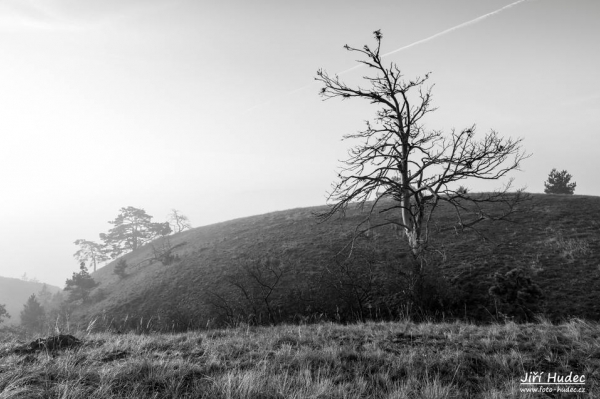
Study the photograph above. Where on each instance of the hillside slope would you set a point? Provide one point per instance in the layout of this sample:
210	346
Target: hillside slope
557	241
14	294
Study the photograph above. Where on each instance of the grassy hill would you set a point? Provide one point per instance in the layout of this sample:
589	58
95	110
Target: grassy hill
555	240
14	294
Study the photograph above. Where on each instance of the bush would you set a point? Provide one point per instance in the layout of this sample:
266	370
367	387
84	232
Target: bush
119	269
425	294
516	295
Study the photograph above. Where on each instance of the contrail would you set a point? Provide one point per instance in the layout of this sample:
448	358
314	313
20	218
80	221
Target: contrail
473	21
442	33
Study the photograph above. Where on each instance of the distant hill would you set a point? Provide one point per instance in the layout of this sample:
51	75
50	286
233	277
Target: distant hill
557	241
14	294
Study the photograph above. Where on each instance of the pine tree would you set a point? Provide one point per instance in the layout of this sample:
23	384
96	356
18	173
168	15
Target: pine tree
32	315
133	227
3	313
80	285
558	183
44	296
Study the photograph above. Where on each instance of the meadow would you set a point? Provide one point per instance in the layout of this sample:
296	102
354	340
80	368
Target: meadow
324	360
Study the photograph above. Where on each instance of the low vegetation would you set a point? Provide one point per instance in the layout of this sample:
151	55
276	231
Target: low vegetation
324	360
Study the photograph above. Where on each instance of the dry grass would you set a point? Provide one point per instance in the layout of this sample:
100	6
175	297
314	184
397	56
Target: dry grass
373	360
569	249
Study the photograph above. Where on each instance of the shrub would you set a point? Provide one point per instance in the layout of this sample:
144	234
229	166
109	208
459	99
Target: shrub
515	294
120	267
422	291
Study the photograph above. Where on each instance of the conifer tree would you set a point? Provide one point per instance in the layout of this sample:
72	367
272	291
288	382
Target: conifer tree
133	227
3	313
32	315
119	269
559	183
44	296
80	285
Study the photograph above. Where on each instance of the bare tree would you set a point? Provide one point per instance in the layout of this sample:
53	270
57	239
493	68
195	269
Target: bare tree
163	251
252	312
259	280
90	251
267	274
355	280
398	158
178	221
222	305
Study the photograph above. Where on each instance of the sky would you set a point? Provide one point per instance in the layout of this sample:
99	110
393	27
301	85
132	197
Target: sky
211	107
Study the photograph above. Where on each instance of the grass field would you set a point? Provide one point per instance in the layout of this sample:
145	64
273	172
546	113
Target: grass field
372	360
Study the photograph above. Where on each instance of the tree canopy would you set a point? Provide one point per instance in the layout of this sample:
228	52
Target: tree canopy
133	227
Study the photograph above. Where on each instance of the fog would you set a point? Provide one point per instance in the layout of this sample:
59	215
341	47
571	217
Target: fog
211	108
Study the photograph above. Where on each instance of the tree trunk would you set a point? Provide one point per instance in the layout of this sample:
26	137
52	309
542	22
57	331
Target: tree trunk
412	227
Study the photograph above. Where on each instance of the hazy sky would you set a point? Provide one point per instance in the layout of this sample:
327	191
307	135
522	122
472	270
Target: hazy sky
194	105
